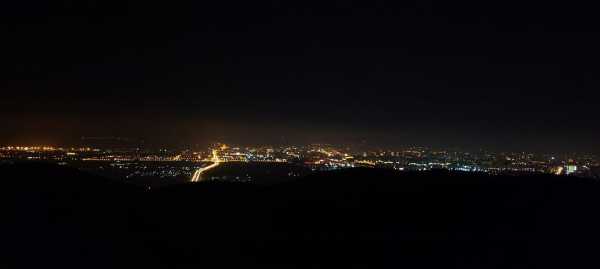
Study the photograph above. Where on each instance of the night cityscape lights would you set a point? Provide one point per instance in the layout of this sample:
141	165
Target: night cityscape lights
170	165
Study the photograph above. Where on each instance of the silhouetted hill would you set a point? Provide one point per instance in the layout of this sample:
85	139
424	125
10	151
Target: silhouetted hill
359	218
58	216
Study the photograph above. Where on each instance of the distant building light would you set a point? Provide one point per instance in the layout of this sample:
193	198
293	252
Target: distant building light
571	169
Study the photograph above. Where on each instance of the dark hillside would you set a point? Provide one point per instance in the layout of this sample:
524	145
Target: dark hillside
58	216
361	218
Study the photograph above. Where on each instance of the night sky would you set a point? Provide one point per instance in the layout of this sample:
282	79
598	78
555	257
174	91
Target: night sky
501	76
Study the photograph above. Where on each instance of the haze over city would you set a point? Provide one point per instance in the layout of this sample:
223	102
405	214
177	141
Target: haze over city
390	74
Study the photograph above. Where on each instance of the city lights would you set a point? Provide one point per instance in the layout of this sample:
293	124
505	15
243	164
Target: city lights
194	164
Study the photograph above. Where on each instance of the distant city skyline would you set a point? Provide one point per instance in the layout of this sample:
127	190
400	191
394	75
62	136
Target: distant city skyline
112	158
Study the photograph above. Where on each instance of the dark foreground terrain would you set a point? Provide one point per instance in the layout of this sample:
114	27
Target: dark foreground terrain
56	217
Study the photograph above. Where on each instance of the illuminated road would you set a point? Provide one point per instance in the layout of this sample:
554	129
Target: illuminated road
198	174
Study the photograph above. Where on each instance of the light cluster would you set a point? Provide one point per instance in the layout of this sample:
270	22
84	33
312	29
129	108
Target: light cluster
192	163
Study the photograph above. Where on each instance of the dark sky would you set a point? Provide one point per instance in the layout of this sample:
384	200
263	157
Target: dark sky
503	75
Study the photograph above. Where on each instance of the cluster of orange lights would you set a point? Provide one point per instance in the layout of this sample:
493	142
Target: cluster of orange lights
29	148
42	148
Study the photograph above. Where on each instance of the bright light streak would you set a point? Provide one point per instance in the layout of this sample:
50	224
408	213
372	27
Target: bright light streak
216	162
